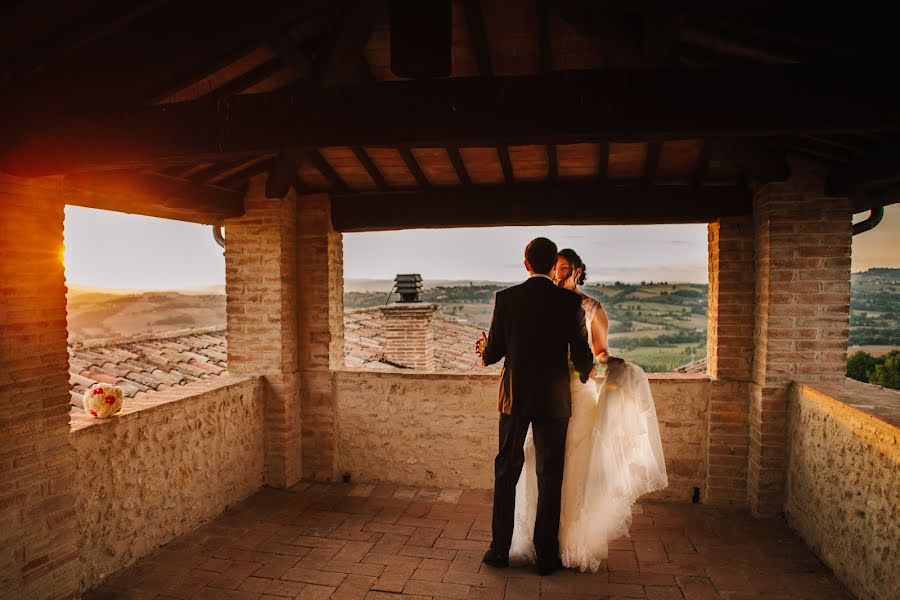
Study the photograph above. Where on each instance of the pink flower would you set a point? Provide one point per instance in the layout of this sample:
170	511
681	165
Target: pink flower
110	399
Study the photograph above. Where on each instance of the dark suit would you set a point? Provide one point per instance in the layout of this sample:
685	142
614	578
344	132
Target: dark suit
536	326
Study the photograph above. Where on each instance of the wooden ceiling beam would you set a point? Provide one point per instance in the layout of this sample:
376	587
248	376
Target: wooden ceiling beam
340	60
566	107
288	51
505	164
651	162
537	204
337	184
413	166
153	195
459	165
702	166
603	161
478	36
371	168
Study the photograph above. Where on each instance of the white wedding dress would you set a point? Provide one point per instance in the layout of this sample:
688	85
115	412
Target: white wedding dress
613	456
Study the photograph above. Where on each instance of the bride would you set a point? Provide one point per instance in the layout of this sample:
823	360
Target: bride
613	450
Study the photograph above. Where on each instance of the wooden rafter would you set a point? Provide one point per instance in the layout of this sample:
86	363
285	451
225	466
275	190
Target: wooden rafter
340	60
473	112
286	49
654	148
602	161
459	165
505	163
702	166
478	36
371	168
413	165
334	179
536	204
153	195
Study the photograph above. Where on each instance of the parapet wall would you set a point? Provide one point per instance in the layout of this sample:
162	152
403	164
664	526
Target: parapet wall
166	465
843	482
428	429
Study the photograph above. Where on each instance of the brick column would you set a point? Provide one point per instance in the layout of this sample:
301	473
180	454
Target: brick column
320	264
261	285
38	535
409	334
732	280
802	313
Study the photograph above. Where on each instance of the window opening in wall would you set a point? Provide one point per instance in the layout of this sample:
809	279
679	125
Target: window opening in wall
145	302
874	353
650	279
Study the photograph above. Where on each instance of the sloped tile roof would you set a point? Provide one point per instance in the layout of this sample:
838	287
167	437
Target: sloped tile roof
146	364
696	367
142	365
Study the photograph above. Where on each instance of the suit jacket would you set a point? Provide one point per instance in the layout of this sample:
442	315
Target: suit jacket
537	326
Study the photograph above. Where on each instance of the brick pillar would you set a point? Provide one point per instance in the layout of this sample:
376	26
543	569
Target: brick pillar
261	284
802	313
320	260
729	343
38	535
409	334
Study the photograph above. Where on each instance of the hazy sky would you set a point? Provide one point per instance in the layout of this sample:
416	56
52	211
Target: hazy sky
147	253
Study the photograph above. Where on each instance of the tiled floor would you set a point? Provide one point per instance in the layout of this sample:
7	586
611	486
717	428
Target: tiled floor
379	542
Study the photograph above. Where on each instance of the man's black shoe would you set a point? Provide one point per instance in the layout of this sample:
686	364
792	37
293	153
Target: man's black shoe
499	560
549	567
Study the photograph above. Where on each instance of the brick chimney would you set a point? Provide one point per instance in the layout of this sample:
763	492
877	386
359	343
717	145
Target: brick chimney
409	334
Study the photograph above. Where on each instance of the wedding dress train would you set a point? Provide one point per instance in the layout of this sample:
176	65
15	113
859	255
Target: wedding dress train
613	456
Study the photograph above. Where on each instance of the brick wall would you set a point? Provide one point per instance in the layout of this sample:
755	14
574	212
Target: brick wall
261	287
38	534
320	264
409	334
732	280
802	314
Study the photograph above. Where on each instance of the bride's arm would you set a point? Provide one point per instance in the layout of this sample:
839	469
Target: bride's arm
600	334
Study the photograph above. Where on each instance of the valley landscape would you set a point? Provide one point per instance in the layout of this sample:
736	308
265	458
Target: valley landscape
658	325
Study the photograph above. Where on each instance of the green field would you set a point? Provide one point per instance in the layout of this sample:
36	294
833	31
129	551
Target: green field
659	326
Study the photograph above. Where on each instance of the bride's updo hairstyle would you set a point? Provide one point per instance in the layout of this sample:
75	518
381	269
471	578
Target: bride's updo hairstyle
575	261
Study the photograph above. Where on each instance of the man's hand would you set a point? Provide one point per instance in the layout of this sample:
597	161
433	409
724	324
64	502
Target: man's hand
480	344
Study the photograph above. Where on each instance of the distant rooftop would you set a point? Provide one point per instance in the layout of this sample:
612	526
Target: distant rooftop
144	364
454	343
147	364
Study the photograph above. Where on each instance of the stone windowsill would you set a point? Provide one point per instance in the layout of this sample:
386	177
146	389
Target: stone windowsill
167	399
460	375
879	406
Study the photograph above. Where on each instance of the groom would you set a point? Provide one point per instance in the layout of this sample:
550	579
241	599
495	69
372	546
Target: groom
536	326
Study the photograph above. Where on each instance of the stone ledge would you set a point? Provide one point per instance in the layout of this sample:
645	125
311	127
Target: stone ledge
80	422
462	376
872	411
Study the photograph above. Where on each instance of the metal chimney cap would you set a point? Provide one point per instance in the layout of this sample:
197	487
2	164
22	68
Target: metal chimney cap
409	286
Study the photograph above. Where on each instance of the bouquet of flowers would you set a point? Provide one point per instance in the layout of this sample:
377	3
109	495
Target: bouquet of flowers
103	400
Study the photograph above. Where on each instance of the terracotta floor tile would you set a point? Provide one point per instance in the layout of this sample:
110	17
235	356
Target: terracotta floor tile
379	542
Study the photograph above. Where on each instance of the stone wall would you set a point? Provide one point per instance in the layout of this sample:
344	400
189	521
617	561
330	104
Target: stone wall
165	466
38	537
843	485
428	429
